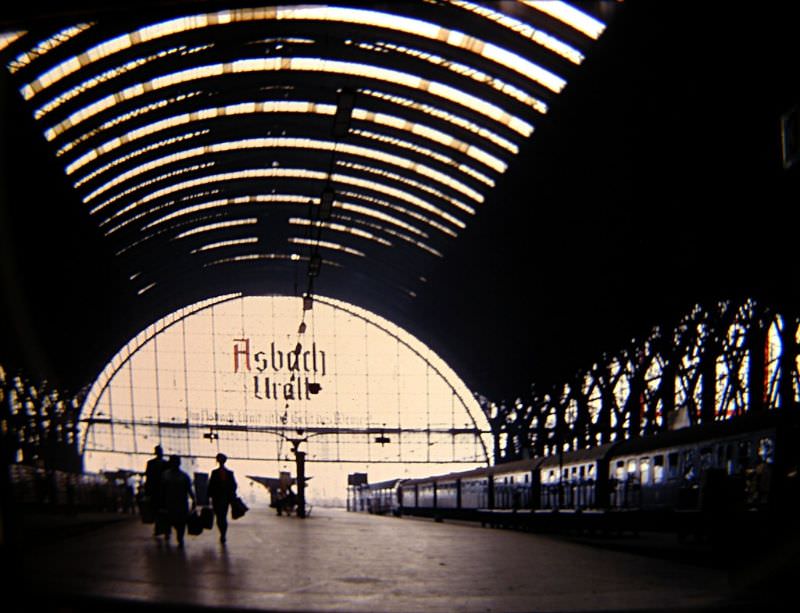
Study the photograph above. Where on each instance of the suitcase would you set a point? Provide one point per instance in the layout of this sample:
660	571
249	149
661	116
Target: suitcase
146	510
162	522
238	508
207	515
194	523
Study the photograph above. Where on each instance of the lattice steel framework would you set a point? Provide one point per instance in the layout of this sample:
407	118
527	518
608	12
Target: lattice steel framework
39	424
716	363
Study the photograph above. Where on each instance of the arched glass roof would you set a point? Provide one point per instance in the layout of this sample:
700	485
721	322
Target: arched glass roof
262	137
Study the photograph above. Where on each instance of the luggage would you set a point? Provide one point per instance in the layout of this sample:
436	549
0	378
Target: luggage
207	515
146	510
162	522
194	523
238	508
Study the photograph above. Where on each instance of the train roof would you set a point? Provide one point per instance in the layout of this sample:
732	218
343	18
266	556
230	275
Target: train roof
474	472
749	422
516	466
482	472
379	485
581	455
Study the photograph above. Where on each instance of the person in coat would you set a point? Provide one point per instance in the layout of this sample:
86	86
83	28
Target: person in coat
222	491
176	488
152	483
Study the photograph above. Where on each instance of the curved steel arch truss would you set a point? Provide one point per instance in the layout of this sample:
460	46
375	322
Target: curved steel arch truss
356	139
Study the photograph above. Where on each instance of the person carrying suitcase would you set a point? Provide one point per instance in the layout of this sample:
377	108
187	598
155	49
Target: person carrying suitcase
222	491
176	487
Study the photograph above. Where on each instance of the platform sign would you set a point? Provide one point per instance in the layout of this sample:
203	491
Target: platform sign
357	479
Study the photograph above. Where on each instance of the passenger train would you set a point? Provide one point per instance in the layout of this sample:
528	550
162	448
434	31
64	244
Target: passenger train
670	481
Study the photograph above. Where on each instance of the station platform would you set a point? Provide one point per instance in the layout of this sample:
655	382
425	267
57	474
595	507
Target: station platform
340	561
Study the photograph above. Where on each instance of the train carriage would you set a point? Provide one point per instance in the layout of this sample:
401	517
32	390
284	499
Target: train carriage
676	480
516	484
510	486
379	498
446	495
576	480
687	469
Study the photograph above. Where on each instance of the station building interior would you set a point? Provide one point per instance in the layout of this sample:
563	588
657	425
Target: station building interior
405	240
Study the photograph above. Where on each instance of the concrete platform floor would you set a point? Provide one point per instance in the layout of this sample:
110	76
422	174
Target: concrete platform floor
339	561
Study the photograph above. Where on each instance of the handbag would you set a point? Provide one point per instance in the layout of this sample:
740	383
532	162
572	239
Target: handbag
238	508
207	515
194	523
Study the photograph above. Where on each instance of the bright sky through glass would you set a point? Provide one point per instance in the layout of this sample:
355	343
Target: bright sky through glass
570	15
270	143
417	27
304	64
254	173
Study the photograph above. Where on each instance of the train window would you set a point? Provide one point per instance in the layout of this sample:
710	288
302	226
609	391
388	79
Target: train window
706	457
644	467
619	472
582	472
689	469
658	469
744	451
590	471
672	465
526	478
766	450
565	474
632	465
551	477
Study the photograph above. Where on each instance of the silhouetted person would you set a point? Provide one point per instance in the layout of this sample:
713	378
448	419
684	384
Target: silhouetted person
152	482
288	500
176	487
221	490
